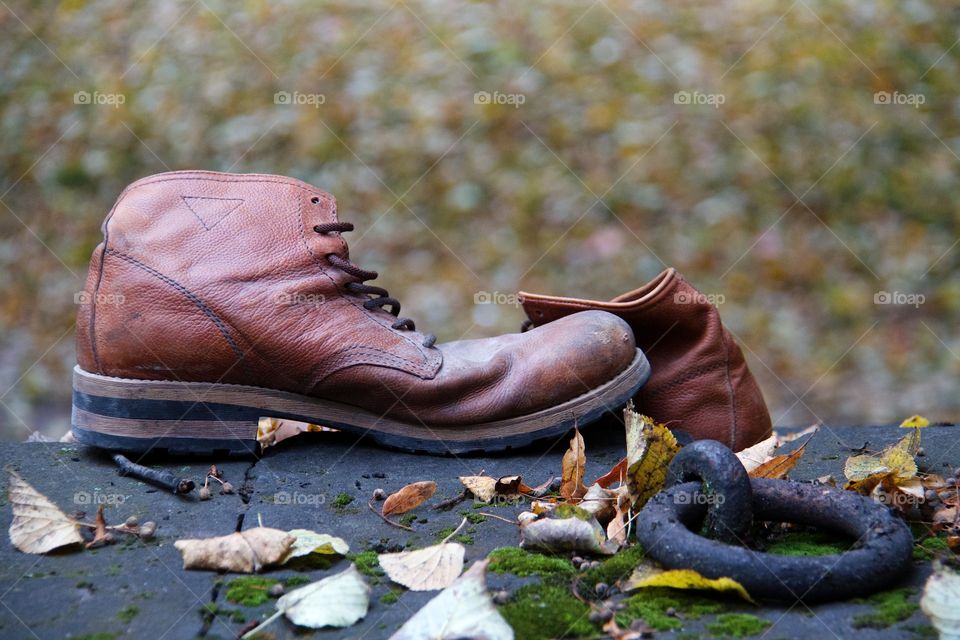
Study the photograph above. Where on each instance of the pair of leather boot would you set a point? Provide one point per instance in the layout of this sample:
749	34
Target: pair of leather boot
216	299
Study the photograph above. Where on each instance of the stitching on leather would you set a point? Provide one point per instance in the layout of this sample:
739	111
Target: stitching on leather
690	375
238	201
213	177
733	396
207	311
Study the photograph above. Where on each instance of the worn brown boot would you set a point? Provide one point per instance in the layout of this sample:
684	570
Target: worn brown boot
700	382
215	299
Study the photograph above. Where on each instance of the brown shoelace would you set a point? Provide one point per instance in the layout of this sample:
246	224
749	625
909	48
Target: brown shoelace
382	299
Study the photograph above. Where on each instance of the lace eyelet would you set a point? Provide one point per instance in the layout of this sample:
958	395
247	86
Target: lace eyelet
315	200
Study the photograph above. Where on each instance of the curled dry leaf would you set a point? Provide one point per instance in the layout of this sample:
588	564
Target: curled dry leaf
649	574
941	601
409	497
574	463
38	526
753	457
915	422
483	488
650	448
560	535
617	527
242	552
617	474
462	610
308	542
100	534
884	474
599	503
779	466
270	431
435	567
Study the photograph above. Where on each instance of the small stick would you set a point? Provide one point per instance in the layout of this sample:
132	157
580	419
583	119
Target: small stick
495	516
450	503
165	479
463	523
388	520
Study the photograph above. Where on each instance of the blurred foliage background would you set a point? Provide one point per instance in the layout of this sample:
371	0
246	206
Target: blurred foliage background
797	199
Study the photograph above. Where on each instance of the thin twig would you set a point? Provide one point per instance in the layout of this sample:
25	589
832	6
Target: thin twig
450	503
388	520
496	517
463	523
164	479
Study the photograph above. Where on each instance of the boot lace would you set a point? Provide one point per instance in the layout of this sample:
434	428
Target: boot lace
383	298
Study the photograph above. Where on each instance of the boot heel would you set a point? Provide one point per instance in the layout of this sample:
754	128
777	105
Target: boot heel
141	416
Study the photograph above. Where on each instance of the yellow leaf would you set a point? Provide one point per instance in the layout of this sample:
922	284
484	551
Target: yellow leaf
574	461
897	459
915	422
650	448
648	574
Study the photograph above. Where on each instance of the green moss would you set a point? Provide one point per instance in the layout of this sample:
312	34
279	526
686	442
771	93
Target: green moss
103	635
924	631
474	518
652	605
808	544
296	581
212	610
367	564
547	611
930	548
407	519
889	608
250	591
342	500
127	614
572	511
615	568
462	538
523	563
390	597
738	625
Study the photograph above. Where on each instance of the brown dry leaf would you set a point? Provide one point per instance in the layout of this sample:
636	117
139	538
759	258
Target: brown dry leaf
598	502
779	466
242	552
434	567
617	527
270	431
409	497
38	526
100	535
483	488
617	474
650	448
753	457
574	462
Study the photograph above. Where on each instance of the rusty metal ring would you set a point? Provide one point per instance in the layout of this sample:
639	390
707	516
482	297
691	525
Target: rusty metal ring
883	553
725	488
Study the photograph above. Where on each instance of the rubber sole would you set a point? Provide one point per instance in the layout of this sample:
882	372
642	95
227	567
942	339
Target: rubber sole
201	418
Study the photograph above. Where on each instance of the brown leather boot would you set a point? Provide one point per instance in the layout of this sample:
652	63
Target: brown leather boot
215	299
700	382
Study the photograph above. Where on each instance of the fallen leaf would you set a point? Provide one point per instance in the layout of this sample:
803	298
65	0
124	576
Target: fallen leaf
510	485
409	497
753	457
941	601
270	431
648	574
895	459
434	567
558	535
617	474
246	551
650	448
38	526
574	462
308	542
483	488
336	601
779	466
462	610
598	502
617	527
784	438
915	422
